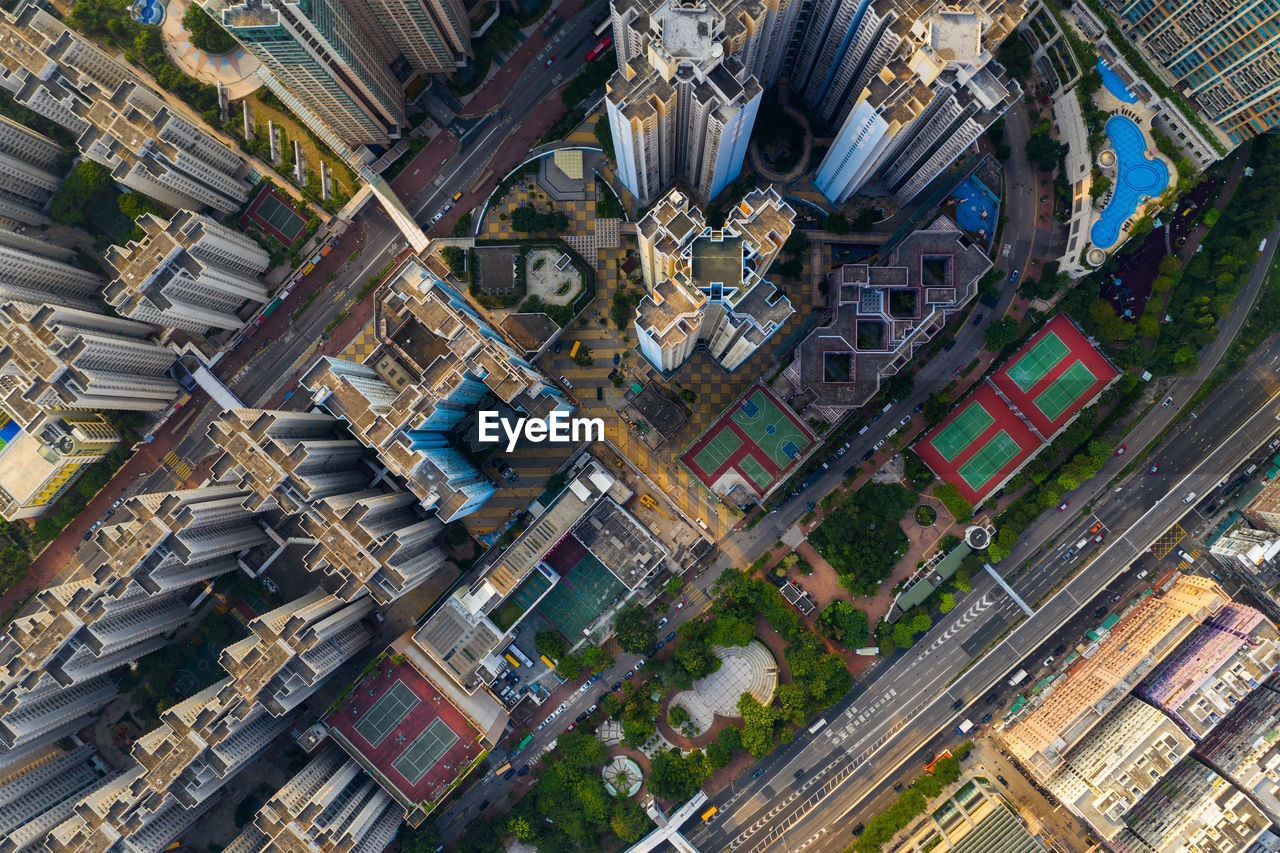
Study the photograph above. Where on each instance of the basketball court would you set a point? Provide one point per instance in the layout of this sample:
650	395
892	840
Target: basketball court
275	215
1055	375
586	587
756	443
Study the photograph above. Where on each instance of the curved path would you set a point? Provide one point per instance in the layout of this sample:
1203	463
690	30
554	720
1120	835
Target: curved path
236	70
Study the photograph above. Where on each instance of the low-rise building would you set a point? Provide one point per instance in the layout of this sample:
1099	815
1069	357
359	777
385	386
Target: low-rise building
975	819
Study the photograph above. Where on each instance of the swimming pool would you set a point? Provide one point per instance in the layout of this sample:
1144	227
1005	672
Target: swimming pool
1114	84
1137	179
149	12
975	207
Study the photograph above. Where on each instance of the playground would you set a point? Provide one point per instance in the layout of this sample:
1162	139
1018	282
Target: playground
753	444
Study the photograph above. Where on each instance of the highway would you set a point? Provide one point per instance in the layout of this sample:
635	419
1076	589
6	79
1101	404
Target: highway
887	721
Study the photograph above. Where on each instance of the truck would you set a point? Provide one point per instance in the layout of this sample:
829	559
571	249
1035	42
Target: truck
964	727
817	726
1017	678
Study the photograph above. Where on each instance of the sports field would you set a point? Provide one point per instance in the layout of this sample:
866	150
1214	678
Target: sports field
978	446
406	732
585	589
1054	376
753	444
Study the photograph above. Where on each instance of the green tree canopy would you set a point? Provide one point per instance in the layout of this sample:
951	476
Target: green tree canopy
635	629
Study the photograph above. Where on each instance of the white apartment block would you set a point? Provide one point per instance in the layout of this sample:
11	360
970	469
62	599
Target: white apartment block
187	273
37	796
332	804
706	286
910	87
685	97
43	274
54	357
118	121
29	174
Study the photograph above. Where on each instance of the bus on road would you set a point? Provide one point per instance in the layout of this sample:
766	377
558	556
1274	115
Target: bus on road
573	352
709	813
603	25
817	727
598	51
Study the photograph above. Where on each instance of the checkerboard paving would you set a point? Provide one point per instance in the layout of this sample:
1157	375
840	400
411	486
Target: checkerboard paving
363	344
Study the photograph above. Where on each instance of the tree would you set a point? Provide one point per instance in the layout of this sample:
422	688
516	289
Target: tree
206	33
604	135
936	407
843	622
80	186
836	223
720	751
673	585
583	358
551	643
424	839
947	603
596	659
676	777
581	749
955	502
454	256
678	715
1148	325
759	722
1015	55
1101	186
1001	333
635	629
628	821
569	666
903	637
1042	150
517	826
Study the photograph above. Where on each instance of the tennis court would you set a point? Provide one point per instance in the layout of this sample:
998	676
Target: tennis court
960	433
1039	360
1070	386
426	749
392	707
718	450
755	472
275	214
987	461
770	429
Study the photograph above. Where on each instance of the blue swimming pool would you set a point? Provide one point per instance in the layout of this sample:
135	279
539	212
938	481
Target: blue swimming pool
1137	179
975	207
1114	84
148	12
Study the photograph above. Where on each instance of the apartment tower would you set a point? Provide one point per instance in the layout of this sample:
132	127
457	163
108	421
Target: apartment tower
319	52
187	273
117	120
29	172
909	87
432	35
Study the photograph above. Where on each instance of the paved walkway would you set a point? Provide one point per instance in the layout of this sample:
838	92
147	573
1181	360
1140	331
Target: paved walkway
236	70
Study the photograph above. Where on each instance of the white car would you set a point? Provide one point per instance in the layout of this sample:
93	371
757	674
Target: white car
437	217
566	382
879	444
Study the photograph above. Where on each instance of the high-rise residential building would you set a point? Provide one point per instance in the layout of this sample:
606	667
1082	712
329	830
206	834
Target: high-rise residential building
317	50
706	285
29	172
685	97
881	314
909	87
1264	510
1243	747
1195	809
44	274
435	361
37	796
370	539
54	357
42	456
187	273
432	35
1041	738
118	121
330	805
1221	56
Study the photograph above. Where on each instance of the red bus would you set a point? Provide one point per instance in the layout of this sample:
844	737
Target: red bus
597	51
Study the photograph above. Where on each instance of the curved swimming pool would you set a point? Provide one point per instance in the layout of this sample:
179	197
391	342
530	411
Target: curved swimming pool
149	12
1114	84
1137	179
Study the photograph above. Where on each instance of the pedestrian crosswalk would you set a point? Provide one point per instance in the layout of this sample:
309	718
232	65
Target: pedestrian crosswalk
174	463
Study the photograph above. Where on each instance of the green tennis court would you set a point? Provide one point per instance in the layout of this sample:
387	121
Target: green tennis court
755	471
770	429
426	749
722	445
275	213
1070	386
1039	360
990	458
960	433
391	707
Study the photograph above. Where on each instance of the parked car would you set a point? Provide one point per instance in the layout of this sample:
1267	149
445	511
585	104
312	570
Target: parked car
524	771
1013	276
559	346
1154	468
1168	401
1121	449
617	685
1062	507
566	382
681	603
616	358
663	621
670	637
879	444
631	673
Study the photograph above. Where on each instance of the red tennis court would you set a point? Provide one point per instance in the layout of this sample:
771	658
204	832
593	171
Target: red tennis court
396	722
980	444
1054	375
